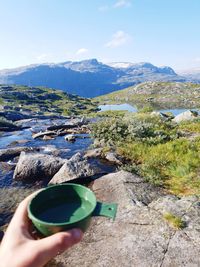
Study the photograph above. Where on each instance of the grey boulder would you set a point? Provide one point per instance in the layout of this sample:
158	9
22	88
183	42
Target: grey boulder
185	116
33	167
75	167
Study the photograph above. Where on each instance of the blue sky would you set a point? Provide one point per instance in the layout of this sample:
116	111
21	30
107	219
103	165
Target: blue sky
163	32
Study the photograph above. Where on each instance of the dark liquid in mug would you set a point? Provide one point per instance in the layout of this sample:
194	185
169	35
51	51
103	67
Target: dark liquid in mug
61	212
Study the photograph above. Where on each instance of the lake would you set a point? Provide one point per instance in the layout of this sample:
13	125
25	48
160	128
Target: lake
131	108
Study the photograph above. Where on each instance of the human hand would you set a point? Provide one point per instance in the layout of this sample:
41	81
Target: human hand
19	248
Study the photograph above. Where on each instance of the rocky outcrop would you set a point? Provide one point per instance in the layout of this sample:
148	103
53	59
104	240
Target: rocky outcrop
34	167
76	167
185	116
139	236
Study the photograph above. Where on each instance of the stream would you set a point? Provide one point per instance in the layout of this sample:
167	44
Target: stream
12	192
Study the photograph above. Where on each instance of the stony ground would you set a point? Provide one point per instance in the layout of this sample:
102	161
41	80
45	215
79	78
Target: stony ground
139	236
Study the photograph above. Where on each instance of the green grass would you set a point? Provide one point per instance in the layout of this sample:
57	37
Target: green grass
174	165
175	221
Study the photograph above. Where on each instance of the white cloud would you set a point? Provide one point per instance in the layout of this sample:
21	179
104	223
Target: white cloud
118	39
117	4
122	3
103	8
82	51
197	59
42	57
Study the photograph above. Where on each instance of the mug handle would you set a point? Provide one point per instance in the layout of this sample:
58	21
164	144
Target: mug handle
105	209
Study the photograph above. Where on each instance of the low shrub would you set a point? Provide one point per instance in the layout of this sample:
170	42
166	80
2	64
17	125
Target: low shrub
141	127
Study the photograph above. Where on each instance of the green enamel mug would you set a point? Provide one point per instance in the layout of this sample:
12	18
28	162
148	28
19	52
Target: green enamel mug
66	206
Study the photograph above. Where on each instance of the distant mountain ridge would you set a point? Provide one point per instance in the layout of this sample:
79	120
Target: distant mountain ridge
191	74
88	78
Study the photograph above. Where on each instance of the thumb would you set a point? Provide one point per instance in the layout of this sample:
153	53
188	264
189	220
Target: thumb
55	244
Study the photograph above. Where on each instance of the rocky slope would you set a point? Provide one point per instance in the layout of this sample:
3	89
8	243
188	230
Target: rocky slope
22	102
157	94
88	78
140	234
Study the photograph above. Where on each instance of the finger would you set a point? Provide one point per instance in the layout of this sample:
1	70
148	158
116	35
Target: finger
53	245
21	213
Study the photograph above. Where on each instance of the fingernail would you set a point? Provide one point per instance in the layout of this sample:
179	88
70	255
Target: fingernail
77	234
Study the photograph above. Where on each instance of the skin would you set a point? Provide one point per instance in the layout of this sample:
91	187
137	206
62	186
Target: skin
20	249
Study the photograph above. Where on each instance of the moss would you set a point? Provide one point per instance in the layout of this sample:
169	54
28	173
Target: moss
175	221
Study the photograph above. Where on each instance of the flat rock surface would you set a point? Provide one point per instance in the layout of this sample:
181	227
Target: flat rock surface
139	236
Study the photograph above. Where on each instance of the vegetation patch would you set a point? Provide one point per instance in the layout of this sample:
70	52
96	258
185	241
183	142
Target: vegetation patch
175	221
191	126
154	148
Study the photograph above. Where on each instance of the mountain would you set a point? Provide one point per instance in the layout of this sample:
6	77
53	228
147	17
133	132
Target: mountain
88	78
191	74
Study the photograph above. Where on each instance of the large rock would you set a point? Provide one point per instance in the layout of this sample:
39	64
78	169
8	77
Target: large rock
139	236
33	167
76	167
185	116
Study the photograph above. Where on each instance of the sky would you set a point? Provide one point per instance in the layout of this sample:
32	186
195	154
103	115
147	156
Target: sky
163	32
